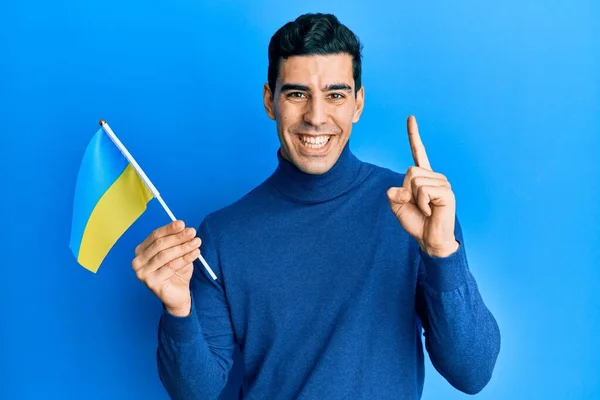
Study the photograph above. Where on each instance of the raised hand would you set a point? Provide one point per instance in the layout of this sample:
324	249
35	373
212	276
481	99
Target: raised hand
425	204
164	263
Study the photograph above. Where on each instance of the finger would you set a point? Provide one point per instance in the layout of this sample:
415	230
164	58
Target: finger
160	247
399	196
422	198
432	195
419	181
170	254
168	229
408	213
416	145
418	171
164	242
414	172
165	272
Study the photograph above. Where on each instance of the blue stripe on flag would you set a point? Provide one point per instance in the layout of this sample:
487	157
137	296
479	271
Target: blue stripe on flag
101	165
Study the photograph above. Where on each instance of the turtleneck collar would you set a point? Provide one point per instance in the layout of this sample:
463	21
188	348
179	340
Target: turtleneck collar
308	188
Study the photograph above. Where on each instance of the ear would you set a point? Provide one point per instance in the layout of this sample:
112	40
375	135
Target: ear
360	103
268	101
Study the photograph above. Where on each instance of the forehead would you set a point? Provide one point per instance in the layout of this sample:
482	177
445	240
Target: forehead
317	70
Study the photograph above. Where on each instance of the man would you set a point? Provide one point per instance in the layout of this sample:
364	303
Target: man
330	270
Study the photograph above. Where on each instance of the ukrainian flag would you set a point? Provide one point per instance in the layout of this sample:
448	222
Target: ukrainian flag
109	197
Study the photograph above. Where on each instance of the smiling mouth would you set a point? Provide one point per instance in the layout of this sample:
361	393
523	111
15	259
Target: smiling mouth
315	142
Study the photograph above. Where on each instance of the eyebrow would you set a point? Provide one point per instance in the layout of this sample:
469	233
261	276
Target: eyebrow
336	86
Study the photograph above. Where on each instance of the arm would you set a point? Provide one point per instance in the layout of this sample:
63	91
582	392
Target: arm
195	352
461	335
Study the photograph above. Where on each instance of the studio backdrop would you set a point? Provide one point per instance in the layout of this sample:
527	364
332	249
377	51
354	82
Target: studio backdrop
507	99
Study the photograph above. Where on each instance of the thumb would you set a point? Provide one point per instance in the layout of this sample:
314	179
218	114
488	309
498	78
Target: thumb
398	195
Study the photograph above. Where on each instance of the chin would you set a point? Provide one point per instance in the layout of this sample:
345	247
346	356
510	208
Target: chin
315	167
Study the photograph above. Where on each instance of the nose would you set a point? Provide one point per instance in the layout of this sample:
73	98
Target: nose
316	112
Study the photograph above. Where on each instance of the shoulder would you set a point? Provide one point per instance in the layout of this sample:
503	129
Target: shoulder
237	217
382	176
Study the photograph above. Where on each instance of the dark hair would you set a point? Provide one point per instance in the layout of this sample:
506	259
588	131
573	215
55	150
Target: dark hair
314	33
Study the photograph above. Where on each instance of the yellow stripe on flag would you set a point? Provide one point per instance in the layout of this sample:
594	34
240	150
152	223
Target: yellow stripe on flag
118	208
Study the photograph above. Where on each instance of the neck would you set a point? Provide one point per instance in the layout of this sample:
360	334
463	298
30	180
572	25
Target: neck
311	188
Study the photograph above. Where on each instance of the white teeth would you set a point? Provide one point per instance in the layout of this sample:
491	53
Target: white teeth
314	142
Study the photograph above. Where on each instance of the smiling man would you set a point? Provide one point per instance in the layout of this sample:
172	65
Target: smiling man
331	271
314	102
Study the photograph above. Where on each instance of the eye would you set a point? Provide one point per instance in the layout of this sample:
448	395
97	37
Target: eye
336	96
296	95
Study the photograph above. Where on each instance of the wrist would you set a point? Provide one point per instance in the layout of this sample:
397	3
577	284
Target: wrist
182	310
440	250
180	324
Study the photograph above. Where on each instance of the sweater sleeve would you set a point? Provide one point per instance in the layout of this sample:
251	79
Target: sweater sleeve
462	337
195	353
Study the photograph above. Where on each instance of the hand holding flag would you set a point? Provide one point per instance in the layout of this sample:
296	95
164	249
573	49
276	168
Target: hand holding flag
112	192
164	263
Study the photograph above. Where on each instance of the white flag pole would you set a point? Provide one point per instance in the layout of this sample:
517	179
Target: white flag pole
147	181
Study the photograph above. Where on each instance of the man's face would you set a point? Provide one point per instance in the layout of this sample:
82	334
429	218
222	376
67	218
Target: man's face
314	106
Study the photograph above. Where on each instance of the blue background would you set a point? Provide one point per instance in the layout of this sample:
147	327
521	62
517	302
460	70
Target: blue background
507	99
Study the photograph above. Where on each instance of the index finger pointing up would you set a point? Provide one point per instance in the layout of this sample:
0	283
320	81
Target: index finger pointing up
416	145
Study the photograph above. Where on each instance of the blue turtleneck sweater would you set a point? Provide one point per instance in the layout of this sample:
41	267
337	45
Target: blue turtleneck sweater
326	296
